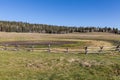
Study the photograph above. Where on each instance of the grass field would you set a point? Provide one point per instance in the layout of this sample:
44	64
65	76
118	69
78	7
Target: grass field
37	65
75	36
44	66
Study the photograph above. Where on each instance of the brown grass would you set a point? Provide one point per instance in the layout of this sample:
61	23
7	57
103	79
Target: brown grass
87	37
39	36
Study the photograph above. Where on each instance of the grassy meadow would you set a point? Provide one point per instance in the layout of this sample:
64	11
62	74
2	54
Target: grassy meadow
41	65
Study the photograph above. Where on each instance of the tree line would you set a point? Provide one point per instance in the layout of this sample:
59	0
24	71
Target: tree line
10	26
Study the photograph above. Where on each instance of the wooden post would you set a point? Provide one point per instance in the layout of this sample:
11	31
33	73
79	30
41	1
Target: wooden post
29	48
5	46
32	47
49	48
101	49
117	48
67	50
16	47
86	50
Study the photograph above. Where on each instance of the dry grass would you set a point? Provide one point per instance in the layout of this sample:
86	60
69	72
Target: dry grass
4	36
95	43
91	39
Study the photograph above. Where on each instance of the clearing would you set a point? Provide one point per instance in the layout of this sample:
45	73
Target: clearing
41	65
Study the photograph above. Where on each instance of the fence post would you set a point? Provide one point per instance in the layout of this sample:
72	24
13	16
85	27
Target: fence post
67	50
101	49
5	46
49	48
16	47
117	48
86	50
32	47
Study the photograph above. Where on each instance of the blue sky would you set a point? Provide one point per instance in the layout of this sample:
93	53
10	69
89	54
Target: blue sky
63	12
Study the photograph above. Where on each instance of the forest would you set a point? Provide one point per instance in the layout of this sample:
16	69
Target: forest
13	26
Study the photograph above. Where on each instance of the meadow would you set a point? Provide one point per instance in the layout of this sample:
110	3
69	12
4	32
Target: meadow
41	65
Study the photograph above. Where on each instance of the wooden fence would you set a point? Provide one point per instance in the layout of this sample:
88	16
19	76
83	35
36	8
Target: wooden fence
49	49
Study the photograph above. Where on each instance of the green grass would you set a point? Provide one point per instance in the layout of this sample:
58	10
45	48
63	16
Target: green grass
24	65
77	44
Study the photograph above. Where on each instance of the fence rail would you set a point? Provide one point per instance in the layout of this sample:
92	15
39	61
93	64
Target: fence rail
49	49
